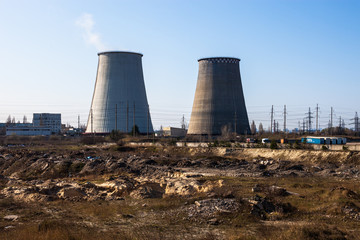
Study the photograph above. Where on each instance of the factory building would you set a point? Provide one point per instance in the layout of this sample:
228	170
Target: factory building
119	101
28	131
172	132
50	120
219	104
43	124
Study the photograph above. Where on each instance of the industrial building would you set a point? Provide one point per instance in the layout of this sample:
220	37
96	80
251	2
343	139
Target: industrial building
43	124
219	104
28	131
50	120
119	101
172	132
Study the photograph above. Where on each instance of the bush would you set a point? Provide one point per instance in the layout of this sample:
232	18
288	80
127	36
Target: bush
92	139
135	129
273	145
116	135
324	148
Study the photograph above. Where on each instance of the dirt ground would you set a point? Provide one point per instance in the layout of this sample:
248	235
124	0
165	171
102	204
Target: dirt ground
109	191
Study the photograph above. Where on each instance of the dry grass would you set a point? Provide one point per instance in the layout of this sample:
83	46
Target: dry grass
317	212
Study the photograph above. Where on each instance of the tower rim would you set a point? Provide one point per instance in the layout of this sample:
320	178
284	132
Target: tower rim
219	58
111	52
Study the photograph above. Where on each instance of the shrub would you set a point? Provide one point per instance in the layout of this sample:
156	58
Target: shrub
116	135
324	148
273	145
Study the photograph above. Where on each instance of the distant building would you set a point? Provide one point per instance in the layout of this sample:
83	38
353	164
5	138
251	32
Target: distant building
43	124
174	132
50	120
2	128
28	130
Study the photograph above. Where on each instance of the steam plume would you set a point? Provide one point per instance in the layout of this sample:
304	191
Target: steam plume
86	22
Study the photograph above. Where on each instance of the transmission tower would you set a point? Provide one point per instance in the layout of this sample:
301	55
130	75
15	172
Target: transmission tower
272	118
356	122
309	121
183	125
317	118
331	120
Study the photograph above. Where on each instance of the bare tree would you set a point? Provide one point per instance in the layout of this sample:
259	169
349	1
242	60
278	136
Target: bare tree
253	128
24	119
8	120
261	128
225	132
13	120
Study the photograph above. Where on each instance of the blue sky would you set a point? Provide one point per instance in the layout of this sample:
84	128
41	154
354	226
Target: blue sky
297	53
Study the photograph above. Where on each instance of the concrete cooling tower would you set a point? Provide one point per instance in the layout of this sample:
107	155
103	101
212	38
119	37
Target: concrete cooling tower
119	101
219	104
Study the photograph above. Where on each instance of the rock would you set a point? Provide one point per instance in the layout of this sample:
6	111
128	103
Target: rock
9	227
186	187
213	221
298	167
209	208
71	194
148	191
263	206
11	217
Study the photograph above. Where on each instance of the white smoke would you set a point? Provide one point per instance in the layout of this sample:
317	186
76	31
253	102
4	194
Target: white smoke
86	22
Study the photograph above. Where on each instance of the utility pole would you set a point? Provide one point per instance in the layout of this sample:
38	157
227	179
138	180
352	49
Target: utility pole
235	122
148	118
78	121
284	118
274	126
127	117
116	128
134	121
340	123
299	129
92	121
303	126
317	117
272	118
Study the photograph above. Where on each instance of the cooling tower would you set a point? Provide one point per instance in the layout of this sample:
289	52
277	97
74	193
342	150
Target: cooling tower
219	104
119	101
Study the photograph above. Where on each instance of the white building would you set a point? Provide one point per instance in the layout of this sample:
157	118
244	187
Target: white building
28	131
50	120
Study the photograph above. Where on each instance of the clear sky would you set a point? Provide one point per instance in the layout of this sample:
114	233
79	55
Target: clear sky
297	53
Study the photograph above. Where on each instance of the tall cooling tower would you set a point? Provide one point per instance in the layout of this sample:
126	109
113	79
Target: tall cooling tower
119	101
219	103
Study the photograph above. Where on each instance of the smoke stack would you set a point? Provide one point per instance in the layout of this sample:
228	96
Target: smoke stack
119	101
219	103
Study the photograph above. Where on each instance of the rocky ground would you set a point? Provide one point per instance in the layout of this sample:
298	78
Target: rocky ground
120	192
